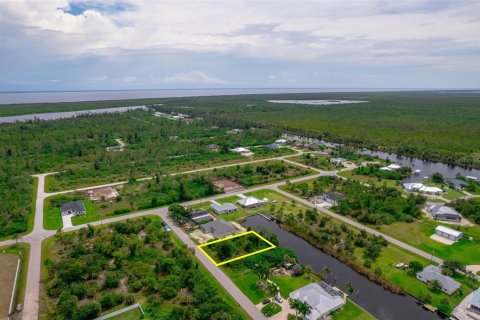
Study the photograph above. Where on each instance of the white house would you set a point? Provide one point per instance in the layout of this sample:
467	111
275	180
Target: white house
420	187
251	202
280	141
243	151
448	233
338	161
321	297
223	208
391	167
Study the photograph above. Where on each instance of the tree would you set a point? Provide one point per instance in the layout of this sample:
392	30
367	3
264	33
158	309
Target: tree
308	271
67	305
444	305
326	271
435	285
89	311
437	177
178	212
304	309
414	267
454	265
295	304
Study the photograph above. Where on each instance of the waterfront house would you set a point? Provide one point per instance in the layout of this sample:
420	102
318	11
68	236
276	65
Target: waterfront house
431	273
221	208
218	228
448	233
420	187
321	297
446	213
457	184
391	167
475	302
75	207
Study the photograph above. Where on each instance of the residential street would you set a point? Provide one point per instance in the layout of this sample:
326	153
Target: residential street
38	234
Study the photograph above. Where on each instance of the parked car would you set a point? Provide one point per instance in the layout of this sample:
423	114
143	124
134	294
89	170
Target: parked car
266	301
278	299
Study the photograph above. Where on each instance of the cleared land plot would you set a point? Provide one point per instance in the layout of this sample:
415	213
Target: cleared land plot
351	311
236	247
228	186
8	265
350	174
102	194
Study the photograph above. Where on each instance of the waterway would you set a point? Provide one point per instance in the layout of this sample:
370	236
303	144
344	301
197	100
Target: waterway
65	114
372	297
427	168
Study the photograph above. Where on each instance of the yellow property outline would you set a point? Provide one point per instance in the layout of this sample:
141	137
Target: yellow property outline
272	246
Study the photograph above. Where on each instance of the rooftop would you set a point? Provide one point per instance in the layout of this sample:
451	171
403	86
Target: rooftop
435	273
218	228
222	207
452	232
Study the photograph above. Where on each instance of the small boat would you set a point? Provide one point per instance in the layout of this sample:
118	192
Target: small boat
471	178
417	171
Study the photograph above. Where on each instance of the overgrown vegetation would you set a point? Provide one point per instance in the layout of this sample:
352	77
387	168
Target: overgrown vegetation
469	208
96	269
367	204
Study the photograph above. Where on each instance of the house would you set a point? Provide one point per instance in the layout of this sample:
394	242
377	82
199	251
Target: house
431	273
475	302
457	184
441	212
201	216
221	208
448	233
115	148
391	167
420	187
280	141
338	161
214	147
251	202
75	207
218	228
243	151
321	297
332	197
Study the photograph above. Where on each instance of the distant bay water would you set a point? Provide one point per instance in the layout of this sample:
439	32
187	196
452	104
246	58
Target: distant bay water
77	96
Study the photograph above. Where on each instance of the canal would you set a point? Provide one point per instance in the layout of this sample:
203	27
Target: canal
372	297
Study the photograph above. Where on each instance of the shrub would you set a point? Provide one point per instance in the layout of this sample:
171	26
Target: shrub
88	311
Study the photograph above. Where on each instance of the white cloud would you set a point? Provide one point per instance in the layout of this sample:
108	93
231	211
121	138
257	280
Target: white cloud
193	77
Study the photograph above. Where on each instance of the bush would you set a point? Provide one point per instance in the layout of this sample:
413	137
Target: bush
110	300
121	211
88	311
112	280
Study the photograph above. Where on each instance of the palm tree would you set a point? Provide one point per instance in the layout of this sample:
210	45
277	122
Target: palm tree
435	285
308	271
305	309
295	305
326	271
272	289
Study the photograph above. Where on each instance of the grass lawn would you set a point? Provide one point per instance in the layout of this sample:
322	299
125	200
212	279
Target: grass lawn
351	311
418	234
392	255
246	281
24	250
452	194
271	309
321	162
350	174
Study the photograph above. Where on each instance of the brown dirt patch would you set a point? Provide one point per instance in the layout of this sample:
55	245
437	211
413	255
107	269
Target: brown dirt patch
102	194
228	185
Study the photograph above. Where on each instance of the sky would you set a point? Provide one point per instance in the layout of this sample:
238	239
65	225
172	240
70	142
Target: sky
140	44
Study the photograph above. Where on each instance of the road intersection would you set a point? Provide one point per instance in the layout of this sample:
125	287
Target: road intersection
38	234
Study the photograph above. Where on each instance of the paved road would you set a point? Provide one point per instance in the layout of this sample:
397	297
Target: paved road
38	234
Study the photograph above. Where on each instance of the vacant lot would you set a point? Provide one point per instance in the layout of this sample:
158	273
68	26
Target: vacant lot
8	265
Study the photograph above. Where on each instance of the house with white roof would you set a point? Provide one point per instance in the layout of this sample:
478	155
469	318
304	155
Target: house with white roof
280	141
475	302
321	297
221	208
391	167
420	187
251	202
243	151
431	273
448	233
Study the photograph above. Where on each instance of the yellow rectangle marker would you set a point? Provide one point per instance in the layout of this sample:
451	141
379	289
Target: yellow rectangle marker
271	246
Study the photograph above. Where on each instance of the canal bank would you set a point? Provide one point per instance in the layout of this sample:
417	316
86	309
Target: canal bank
372	297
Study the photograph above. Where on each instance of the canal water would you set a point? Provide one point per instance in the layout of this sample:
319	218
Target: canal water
65	114
372	297
427	167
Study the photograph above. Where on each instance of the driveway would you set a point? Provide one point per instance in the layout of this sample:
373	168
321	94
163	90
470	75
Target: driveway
67	221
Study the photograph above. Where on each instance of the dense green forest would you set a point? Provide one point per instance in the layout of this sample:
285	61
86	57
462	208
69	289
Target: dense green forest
96	269
367	204
469	208
441	126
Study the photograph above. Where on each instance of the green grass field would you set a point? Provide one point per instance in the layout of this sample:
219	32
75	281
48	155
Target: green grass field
418	234
351	311
350	174
452	194
271	309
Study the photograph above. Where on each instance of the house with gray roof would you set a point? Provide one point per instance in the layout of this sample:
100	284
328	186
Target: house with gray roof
221	208
75	208
321	297
332	197
431	273
441	212
475	302
218	228
201	216
457	184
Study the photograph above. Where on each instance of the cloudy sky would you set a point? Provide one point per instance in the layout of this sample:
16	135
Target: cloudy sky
139	44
